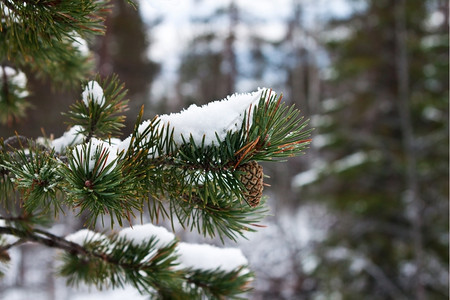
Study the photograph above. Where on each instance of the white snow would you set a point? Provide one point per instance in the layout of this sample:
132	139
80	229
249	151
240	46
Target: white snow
124	145
93	92
337	34
208	257
80	44
8	15
6	238
140	233
433	114
197	256
83	236
17	78
330	104
351	161
215	117
431	41
305	178
95	146
310	176
322	140
321	120
69	138
320	169
434	20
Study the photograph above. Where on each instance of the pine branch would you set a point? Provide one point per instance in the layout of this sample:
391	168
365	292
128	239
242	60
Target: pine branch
13	94
35	174
208	179
44	238
100	120
114	261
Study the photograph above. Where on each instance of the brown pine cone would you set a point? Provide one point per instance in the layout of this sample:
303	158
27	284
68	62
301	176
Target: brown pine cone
252	178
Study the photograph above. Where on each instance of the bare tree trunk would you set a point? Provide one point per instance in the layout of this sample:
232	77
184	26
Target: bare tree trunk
408	144
104	63
298	72
228	52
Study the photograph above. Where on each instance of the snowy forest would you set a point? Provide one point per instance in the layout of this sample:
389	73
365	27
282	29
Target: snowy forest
355	199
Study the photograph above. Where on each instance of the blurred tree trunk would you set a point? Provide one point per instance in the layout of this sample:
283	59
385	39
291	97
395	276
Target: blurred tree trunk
408	140
123	50
228	51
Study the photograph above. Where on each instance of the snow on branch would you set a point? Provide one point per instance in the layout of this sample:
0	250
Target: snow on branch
218	117
208	257
93	92
190	256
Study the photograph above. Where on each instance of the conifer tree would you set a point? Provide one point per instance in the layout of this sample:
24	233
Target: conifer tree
384	175
198	167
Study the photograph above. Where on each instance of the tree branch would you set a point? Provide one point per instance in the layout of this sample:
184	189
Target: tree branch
402	69
47	239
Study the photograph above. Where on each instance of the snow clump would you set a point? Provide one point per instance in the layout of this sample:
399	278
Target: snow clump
16	78
217	117
84	236
195	256
95	150
140	233
208	257
69	138
93	92
80	44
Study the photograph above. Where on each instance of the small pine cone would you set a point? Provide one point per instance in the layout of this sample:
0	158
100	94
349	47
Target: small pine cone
252	178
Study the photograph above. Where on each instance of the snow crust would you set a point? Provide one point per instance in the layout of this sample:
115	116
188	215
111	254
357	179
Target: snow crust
81	237
197	256
69	138
208	257
215	117
140	233
96	146
199	122
80	44
93	92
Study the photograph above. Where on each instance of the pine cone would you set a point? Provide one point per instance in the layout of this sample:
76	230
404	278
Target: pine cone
252	178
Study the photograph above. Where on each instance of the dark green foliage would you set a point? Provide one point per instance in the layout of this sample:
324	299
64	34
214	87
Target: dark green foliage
218	284
276	129
378	224
13	94
34	172
143	264
197	184
113	262
201	181
41	35
97	184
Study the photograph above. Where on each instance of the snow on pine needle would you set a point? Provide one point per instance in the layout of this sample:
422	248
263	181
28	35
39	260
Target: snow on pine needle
217	117
208	257
93	92
83	236
95	152
141	233
70	138
190	256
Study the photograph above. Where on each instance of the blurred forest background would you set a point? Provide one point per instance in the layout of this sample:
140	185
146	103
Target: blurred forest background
365	213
